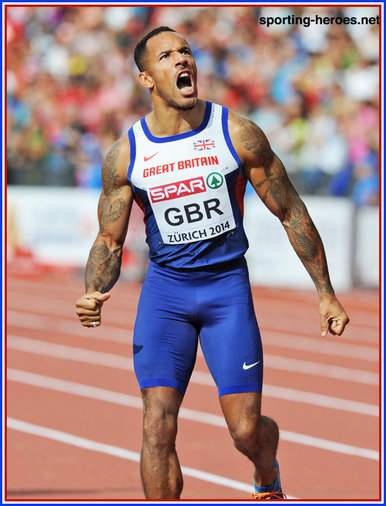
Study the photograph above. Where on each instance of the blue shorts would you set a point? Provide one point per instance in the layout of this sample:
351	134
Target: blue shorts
213	304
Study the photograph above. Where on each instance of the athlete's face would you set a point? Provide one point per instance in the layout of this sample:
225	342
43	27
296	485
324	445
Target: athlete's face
171	72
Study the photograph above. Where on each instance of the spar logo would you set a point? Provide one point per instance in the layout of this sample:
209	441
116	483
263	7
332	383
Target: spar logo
178	189
214	180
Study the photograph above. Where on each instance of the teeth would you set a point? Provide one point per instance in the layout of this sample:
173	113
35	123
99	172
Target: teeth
184	74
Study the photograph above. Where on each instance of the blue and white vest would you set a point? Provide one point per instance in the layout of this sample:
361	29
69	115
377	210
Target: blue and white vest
191	188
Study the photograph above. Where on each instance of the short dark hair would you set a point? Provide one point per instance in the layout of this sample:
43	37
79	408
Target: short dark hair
140	48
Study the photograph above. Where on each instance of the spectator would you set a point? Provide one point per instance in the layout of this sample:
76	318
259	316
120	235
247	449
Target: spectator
72	88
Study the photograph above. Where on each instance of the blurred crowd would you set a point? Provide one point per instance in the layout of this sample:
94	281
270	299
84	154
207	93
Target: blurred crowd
72	88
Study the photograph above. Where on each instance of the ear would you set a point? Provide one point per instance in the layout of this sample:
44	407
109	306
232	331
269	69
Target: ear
146	80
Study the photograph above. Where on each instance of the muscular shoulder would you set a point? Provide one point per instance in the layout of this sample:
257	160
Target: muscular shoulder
249	140
115	164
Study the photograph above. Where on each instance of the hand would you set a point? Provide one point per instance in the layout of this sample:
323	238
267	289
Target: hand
88	308
333	317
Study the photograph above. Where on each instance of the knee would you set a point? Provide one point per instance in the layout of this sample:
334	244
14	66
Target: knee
159	428
244	435
255	433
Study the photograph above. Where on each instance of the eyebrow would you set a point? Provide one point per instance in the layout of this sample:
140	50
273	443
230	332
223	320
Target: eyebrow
168	51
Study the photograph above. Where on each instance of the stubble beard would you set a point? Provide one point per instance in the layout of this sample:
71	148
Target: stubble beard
183	107
186	107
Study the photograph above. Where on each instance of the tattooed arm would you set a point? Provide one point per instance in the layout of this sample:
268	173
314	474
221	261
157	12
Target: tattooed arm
104	261
269	179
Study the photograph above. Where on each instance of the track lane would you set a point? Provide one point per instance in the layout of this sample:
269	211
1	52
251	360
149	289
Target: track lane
204	397
302	422
79	417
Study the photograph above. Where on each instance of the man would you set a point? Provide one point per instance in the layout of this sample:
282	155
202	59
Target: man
186	164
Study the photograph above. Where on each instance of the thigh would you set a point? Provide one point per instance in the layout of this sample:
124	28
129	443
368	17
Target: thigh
165	338
230	336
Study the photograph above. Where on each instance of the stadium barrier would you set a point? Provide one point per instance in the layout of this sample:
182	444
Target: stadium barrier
49	227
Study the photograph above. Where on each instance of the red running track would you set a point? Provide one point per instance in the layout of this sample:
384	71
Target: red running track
74	411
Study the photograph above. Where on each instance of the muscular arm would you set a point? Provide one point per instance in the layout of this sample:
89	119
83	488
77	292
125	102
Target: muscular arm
104	262
269	179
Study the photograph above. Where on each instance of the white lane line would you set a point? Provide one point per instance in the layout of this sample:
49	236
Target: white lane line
117	361
322	370
188	414
69	353
333	446
31	321
71	387
22	319
325	401
287	394
116	451
319	346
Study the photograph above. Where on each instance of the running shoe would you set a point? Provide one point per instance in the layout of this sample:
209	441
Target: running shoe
276	495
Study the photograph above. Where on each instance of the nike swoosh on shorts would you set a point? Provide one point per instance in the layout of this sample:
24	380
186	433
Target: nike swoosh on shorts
246	367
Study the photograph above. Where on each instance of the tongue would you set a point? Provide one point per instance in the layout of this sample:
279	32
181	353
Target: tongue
184	84
185	89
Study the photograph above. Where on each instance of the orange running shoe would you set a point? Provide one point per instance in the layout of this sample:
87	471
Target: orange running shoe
276	495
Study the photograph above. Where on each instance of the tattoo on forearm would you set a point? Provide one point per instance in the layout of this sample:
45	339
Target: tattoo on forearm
308	245
103	268
305	236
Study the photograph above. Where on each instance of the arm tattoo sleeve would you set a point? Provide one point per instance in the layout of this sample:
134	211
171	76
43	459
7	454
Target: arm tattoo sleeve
110	210
277	192
103	268
104	262
109	170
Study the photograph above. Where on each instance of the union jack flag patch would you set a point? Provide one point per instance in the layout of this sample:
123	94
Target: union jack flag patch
205	144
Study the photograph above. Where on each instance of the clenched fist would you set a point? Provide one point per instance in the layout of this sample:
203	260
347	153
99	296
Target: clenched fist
88	308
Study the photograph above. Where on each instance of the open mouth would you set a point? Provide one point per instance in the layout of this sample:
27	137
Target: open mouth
184	83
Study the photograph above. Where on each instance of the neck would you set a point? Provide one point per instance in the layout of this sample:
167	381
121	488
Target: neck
165	121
